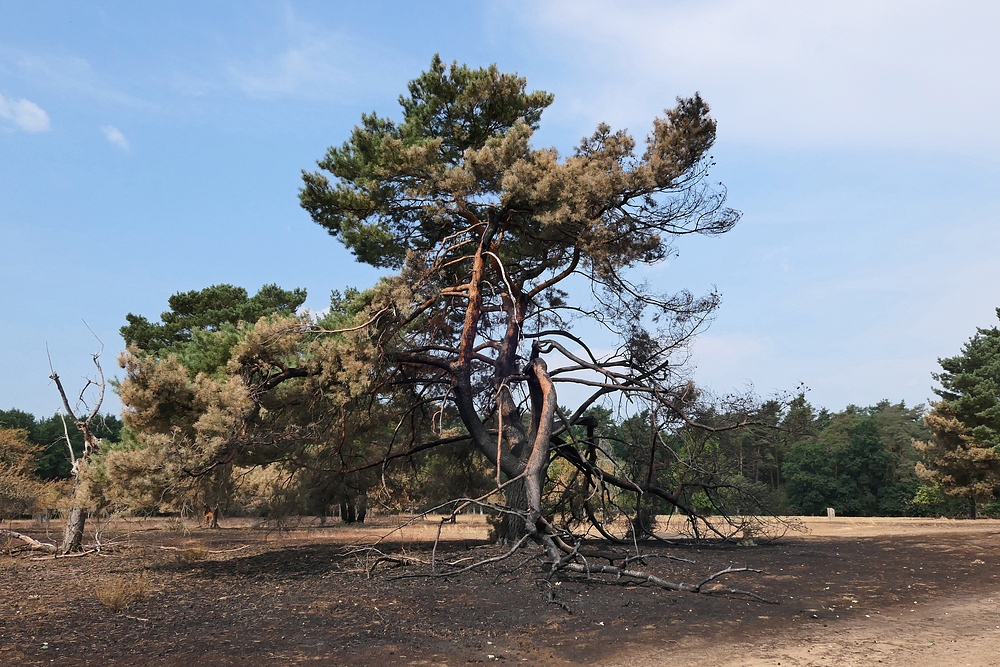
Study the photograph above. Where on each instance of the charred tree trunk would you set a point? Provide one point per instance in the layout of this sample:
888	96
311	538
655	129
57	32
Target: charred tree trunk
644	521
512	526
353	508
524	494
543	413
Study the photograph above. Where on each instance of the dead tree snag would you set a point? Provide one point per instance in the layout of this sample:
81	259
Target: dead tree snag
83	421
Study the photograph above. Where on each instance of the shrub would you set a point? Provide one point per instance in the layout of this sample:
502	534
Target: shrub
123	591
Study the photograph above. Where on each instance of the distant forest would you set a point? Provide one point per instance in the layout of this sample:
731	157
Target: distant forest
861	461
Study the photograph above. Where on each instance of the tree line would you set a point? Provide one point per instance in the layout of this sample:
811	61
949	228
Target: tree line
886	459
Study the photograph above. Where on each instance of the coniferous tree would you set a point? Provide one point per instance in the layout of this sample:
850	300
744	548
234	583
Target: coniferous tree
499	248
963	458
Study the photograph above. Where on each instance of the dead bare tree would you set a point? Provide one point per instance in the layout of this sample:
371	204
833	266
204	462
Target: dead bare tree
83	421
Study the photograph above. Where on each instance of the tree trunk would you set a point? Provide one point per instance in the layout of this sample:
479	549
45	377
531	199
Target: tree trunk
362	507
973	510
353	508
211	515
644	521
73	537
512	526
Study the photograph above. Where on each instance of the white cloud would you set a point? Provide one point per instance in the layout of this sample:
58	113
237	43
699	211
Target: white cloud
25	114
782	72
115	136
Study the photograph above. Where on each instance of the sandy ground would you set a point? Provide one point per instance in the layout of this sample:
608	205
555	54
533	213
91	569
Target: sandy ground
959	630
953	632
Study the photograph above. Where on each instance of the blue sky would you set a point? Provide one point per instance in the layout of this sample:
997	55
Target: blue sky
147	149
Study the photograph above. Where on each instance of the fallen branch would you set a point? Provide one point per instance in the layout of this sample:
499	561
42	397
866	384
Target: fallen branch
75	554
33	544
467	568
395	560
211	551
641	558
647	578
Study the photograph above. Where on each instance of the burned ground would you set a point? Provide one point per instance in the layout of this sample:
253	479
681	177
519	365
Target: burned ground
244	596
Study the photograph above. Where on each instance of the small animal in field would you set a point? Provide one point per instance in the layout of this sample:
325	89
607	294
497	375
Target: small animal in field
211	516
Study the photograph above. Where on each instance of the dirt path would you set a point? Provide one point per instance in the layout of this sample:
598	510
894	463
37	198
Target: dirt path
949	633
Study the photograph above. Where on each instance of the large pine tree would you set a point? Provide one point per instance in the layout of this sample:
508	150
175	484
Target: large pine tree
964	456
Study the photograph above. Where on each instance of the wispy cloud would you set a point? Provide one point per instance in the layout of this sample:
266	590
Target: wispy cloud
25	114
308	63
298	72
115	137
68	75
781	72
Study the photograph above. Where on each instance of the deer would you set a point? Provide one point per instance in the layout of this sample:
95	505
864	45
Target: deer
211	515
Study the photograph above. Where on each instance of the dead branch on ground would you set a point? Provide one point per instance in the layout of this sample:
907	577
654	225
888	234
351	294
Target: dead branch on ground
33	544
647	578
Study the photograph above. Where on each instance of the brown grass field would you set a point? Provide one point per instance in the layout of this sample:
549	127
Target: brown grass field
163	592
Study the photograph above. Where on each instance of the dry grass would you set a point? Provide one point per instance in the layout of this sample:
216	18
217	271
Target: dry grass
194	554
117	594
177	525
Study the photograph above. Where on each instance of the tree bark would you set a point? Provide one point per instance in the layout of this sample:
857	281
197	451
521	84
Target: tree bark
644	521
73	536
512	526
543	411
